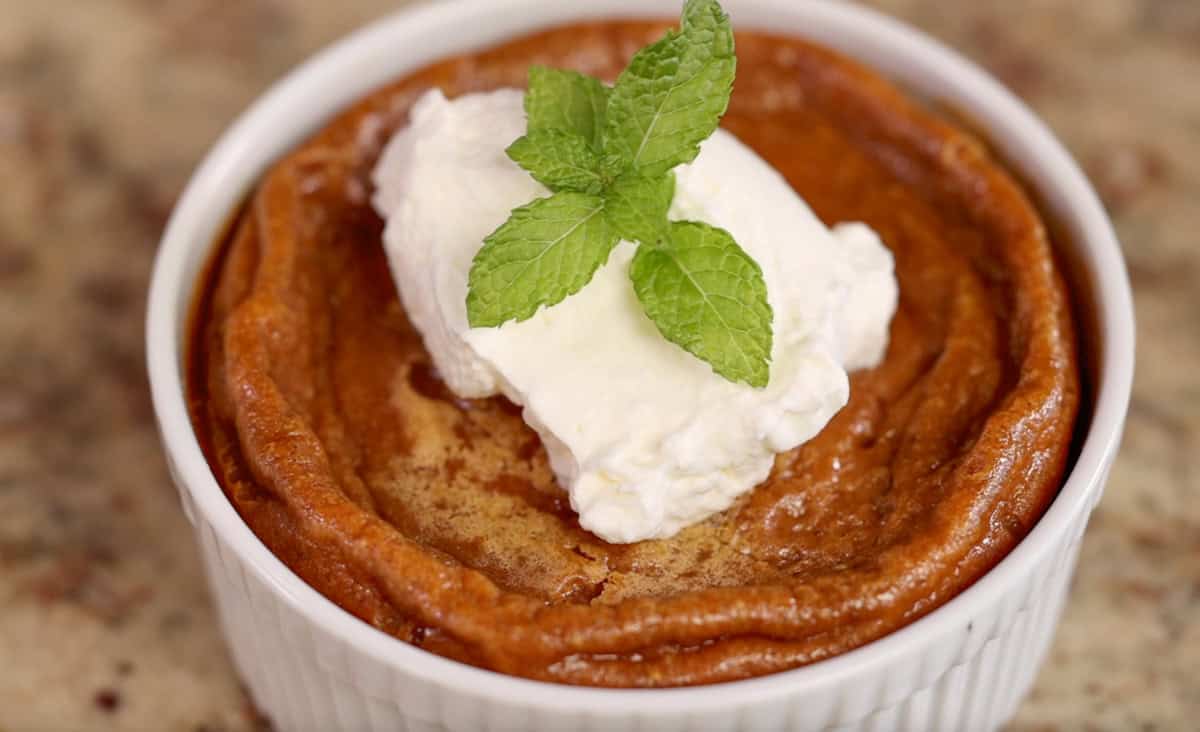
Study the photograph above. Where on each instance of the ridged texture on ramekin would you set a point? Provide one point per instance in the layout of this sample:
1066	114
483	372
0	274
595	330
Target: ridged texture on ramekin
971	677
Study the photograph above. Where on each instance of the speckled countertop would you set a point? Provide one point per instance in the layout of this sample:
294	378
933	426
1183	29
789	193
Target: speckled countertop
105	107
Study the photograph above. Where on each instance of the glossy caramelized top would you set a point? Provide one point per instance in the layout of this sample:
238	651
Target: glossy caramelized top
439	521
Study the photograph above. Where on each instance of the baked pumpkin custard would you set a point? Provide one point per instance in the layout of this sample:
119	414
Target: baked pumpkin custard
634	457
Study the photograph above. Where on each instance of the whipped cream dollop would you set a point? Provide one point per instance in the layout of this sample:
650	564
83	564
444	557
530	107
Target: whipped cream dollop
645	437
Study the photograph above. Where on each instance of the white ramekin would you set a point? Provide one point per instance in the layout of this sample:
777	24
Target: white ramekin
310	665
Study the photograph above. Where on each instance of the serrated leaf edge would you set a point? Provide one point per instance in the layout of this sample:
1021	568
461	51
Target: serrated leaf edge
522	315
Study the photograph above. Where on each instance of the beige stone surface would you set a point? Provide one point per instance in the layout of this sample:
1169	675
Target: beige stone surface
106	106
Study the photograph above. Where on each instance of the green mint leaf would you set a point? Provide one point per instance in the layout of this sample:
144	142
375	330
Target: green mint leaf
637	206
547	250
608	154
708	296
566	100
559	160
674	92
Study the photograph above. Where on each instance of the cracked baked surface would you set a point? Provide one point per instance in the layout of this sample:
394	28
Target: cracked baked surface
439	521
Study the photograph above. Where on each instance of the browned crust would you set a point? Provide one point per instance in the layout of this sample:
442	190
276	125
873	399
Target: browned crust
319	517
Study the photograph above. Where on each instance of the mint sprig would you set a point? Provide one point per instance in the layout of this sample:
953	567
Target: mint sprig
566	100
702	288
559	160
637	206
607	156
673	93
547	250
